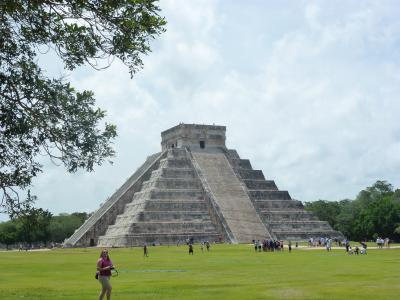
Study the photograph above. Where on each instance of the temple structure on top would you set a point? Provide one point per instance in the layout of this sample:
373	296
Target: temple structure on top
197	189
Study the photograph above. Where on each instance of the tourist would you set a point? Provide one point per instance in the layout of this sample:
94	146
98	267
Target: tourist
347	245
104	267
364	246
145	250
328	245
208	245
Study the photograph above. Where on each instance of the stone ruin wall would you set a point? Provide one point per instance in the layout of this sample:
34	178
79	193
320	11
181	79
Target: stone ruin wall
90	238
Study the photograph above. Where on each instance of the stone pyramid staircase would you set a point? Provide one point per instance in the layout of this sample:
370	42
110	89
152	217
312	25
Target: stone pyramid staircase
170	208
98	222
230	196
284	217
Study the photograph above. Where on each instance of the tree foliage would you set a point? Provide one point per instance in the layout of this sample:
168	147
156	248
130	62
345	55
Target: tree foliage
374	212
64	225
39	226
8	233
41	115
33	225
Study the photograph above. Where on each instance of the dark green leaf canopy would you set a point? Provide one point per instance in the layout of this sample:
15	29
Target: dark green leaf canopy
41	115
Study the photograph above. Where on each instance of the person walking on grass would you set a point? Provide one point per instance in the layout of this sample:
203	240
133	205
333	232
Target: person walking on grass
329	245
104	267
145	251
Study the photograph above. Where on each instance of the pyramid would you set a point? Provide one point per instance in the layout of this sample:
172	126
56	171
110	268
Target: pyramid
197	189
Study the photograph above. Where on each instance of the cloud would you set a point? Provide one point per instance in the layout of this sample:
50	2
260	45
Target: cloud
308	91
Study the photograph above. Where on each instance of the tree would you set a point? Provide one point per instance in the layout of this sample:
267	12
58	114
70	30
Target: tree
324	210
33	225
8	233
41	115
64	225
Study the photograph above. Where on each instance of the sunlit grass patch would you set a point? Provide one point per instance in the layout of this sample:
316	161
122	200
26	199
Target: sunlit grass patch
226	272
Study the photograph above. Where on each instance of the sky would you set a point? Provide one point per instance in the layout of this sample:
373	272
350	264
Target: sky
309	91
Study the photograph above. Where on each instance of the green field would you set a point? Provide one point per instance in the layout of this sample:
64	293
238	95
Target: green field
226	272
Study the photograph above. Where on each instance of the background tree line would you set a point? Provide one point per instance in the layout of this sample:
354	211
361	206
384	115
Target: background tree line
38	226
375	212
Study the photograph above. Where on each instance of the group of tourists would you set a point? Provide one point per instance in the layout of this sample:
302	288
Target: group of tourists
380	242
355	250
205	244
269	245
323	242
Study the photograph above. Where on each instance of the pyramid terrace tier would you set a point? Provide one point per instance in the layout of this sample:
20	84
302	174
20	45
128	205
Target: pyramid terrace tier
158	238
241	163
171	162
299	226
169	194
278	204
165	216
269	195
285	215
172	183
173	227
254	184
174	173
170	205
251	174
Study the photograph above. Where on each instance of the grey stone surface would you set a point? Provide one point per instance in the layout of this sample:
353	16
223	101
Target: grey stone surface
231	197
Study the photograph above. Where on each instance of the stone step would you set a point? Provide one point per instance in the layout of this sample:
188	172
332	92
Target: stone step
232	154
172	162
172	183
174	173
173	216
293	215
177	153
254	184
166	204
241	163
158	238
277	212
162	227
251	174
278	204
310	232
175	205
169	194
300	226
132	215
269	195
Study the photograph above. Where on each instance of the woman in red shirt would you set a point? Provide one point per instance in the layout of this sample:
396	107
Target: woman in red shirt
104	266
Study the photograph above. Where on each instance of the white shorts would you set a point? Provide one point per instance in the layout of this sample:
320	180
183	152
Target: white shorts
105	282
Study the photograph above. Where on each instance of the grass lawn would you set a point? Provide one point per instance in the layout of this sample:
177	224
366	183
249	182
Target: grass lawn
226	272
